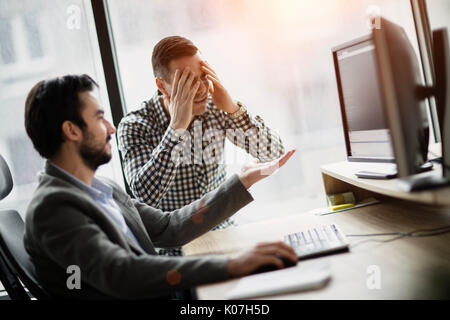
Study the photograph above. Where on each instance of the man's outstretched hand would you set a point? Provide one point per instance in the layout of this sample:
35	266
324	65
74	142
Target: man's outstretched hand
257	171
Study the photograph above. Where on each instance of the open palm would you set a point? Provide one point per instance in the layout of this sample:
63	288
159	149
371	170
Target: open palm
255	171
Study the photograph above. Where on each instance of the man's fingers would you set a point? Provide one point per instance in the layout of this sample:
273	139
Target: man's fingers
265	259
184	76
167	100
209	68
279	253
281	244
176	79
194	90
210	75
286	157
188	84
269	168
279	249
278	163
210	72
214	80
215	83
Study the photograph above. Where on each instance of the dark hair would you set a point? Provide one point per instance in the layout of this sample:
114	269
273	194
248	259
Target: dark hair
168	49
49	104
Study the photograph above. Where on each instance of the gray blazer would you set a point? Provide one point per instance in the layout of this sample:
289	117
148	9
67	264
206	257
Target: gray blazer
64	226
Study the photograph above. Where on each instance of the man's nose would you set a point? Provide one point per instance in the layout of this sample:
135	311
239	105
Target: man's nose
111	129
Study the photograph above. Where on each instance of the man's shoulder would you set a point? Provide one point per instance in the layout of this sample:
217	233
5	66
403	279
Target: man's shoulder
51	187
144	115
53	194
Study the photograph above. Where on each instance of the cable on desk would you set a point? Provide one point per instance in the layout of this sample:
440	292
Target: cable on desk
376	234
399	235
352	245
437	232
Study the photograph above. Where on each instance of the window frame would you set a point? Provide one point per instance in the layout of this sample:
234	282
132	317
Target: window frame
108	53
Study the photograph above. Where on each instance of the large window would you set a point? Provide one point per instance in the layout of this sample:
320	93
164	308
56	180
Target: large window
40	39
275	56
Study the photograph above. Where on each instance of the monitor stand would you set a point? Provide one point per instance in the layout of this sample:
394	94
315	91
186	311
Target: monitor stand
415	183
423	182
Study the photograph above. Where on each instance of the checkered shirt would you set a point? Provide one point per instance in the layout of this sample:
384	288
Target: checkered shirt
147	144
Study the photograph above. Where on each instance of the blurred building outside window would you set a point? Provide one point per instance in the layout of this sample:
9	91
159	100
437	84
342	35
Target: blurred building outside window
38	40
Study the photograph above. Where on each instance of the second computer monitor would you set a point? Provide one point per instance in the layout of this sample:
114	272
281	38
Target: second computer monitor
366	132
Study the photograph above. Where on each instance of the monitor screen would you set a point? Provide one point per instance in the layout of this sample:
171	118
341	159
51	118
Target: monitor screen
367	134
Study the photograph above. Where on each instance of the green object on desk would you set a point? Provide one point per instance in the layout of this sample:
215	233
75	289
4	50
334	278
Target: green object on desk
330	210
342	206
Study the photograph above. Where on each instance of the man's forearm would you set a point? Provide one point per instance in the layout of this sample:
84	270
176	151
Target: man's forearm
176	228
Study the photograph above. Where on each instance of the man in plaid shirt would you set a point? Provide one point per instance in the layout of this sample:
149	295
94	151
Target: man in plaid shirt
152	137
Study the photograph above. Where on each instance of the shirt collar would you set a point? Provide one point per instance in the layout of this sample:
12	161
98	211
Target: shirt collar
98	189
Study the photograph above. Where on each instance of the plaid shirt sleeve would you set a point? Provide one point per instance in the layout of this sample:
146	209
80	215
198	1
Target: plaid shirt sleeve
252	135
149	167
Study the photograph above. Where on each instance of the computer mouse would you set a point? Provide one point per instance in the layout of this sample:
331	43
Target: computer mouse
271	267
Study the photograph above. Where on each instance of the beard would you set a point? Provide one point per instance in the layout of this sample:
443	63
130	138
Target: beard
94	154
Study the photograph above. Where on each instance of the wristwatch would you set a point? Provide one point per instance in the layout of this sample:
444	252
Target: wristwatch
242	110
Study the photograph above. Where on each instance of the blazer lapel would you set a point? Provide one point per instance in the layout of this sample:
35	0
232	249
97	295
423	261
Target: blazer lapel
136	226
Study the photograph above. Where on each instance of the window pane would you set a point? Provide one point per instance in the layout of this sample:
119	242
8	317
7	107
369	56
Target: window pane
34	40
275	57
47	38
439	13
7	51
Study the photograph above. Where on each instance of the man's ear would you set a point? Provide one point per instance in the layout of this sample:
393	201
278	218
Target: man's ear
162	88
71	132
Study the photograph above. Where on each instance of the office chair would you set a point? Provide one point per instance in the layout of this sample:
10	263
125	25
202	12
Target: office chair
15	264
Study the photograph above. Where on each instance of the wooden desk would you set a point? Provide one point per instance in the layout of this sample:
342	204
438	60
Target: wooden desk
411	268
340	177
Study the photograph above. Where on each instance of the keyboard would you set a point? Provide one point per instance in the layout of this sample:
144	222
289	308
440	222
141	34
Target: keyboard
317	241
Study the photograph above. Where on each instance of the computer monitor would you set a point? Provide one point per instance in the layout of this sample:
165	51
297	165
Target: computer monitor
406	114
403	95
367	137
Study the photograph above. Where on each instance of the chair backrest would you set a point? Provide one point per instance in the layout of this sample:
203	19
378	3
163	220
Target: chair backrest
13	251
6	182
11	282
15	263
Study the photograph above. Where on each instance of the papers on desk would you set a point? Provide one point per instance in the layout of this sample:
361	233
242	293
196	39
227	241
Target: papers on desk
304	276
